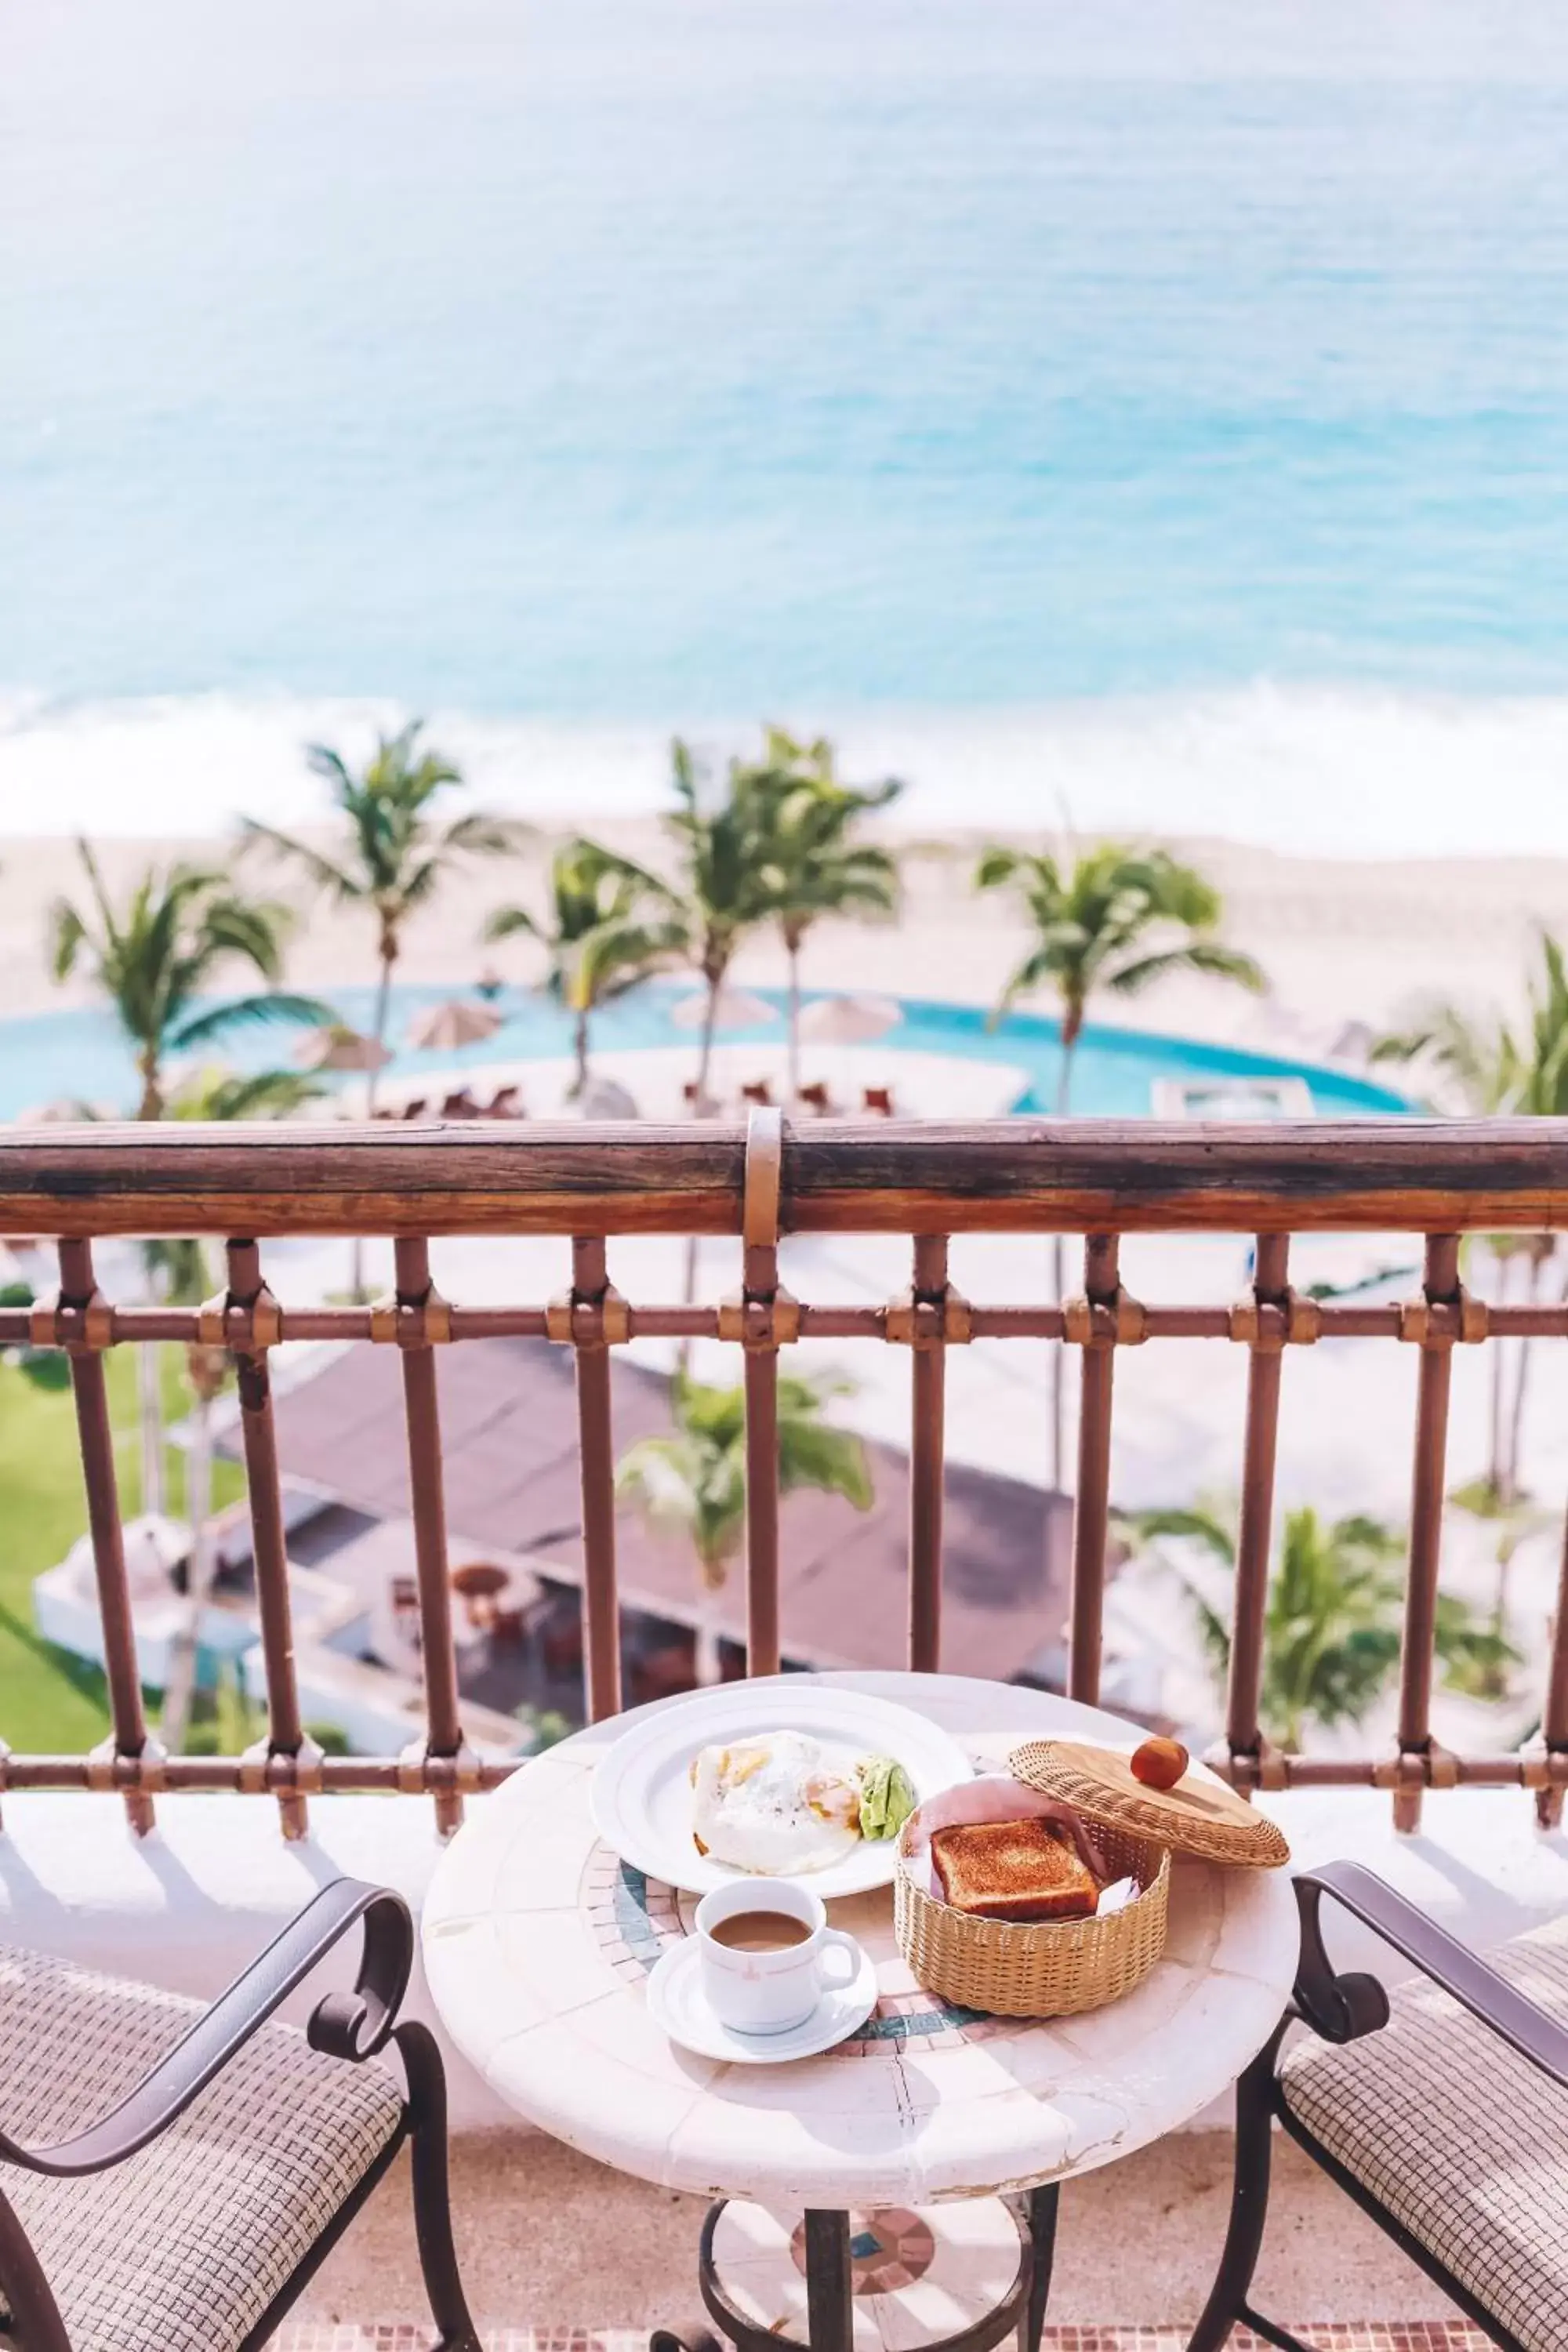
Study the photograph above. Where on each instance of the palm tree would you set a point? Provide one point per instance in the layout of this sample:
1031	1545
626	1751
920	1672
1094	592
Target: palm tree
1332	1620
396	856
693	1481
156	960
610	924
157	957
1484	1067
1114	919
815	864
721	888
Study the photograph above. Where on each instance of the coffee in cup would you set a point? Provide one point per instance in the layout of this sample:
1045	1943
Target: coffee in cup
769	1955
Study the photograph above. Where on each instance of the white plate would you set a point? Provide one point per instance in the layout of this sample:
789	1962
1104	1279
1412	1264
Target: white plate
641	1788
679	2007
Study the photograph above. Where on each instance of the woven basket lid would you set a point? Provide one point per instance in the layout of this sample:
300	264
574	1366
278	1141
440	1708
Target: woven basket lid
1197	1816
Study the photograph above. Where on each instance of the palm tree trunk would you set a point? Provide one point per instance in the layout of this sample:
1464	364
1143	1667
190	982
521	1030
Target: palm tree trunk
152	1103
378	1031
150	1410
179	1689
1058	1281
715	978
379	1020
1516	1420
1499	1359
579	1048
705	1046
148	1358
705	1662
792	949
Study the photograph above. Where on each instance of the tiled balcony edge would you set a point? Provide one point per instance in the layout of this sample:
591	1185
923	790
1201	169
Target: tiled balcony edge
1338	2336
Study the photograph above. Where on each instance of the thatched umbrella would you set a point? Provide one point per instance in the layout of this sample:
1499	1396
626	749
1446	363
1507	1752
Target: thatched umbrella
734	1008
336	1046
448	1027
850	1019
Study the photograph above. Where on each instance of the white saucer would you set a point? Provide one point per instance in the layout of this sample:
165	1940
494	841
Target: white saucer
678	2006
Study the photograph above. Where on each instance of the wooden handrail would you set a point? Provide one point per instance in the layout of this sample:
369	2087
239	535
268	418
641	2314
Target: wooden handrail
1007	1175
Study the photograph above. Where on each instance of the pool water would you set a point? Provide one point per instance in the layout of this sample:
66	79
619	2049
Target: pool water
80	1054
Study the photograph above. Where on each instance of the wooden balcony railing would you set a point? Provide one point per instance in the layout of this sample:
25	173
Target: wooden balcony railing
589	1184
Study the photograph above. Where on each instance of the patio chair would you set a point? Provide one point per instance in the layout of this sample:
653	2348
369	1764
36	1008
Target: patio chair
759	1092
877	1101
816	1097
460	1105
1441	2108
506	1103
186	2170
415	1110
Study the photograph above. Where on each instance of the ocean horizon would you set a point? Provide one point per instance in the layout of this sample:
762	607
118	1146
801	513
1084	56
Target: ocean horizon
1159	417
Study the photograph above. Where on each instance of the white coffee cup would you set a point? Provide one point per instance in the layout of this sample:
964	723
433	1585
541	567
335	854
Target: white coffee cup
764	1990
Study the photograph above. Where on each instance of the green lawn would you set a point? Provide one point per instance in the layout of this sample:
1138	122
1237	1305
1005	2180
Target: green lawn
51	1702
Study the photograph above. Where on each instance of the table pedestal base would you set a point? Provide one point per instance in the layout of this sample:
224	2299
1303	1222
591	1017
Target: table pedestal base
883	2281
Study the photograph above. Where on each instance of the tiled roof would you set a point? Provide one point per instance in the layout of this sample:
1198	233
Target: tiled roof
509	1428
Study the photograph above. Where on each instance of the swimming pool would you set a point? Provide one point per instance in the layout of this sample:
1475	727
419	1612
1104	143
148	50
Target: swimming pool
80	1054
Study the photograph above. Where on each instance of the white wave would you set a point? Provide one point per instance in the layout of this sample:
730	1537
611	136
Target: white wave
1315	771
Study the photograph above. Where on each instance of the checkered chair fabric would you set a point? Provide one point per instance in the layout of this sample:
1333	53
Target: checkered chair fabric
1463	2142
183	2247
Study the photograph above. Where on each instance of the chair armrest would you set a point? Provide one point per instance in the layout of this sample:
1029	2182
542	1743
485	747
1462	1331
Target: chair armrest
352	2026
1342	2008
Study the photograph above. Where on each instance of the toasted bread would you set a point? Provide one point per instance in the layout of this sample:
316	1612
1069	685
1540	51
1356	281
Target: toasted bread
1012	1870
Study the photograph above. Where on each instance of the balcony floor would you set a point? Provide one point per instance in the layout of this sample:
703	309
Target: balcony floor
1372	2335
557	2249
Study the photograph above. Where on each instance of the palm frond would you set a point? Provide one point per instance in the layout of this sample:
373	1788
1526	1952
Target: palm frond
323	871
249	1012
510	923
68	936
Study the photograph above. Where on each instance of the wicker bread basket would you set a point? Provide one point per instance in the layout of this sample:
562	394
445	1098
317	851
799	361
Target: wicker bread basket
1049	1968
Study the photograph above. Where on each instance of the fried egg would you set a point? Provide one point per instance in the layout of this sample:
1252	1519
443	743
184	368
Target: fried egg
773	1805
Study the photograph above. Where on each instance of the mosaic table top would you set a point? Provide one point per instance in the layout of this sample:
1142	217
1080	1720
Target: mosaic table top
538	1942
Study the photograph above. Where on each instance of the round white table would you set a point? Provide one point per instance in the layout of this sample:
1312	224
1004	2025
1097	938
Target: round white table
537	1944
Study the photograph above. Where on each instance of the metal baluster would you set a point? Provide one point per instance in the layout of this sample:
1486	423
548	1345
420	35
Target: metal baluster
444	1729
1091	1518
1554	1714
285	1738
1270	1313
594	1317
1441	1287
927	1440
87	1330
767	1320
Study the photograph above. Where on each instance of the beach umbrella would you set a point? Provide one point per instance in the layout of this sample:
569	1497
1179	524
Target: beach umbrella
458	1023
605	1098
850	1019
59	1114
338	1047
736	1009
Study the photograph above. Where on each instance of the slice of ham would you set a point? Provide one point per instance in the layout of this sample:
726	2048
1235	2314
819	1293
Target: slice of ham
998	1797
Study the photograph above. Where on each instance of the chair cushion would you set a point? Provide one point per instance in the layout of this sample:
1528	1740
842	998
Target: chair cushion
183	2247
1462	2141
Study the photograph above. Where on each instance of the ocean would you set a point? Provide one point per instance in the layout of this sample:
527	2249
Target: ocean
1154	411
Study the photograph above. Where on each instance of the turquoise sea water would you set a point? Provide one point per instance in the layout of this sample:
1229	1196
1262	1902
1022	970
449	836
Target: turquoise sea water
80	1052
656	360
